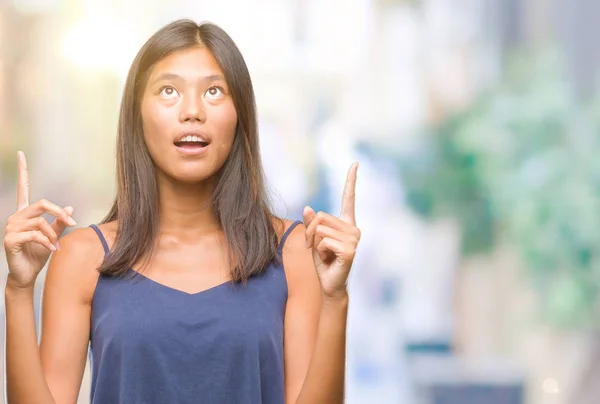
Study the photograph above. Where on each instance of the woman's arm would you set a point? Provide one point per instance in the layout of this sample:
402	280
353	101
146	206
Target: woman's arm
315	331
25	382
52	372
320	266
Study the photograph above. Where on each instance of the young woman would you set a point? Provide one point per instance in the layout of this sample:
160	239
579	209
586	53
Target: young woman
190	290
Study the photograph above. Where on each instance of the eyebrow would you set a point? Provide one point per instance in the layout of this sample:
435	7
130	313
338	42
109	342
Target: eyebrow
173	76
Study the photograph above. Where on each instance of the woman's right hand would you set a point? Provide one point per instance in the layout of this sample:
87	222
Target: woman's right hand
29	239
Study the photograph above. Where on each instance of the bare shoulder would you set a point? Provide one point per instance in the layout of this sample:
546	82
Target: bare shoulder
298	262
294	242
280	225
109	231
76	263
283	225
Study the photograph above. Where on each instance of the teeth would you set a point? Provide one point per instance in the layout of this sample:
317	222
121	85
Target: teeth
191	138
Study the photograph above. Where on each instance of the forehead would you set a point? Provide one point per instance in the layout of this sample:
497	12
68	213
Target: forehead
190	64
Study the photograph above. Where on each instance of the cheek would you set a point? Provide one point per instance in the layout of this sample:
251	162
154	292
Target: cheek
154	124
226	122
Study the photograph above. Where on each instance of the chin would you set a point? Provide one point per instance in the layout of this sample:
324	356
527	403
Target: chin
188	173
192	178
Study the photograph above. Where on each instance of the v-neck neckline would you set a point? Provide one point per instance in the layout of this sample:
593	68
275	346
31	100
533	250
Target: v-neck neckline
175	290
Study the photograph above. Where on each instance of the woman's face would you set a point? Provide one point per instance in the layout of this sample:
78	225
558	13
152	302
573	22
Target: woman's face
189	119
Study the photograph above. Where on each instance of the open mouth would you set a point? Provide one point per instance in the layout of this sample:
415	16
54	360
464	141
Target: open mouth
191	144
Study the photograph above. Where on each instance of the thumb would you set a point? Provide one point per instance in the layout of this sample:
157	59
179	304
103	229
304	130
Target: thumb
312	241
69	210
59	226
308	214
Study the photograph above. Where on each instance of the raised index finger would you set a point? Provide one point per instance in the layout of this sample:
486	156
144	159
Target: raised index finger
23	182
349	196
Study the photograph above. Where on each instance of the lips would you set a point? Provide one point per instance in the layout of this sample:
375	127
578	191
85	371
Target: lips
192	136
191	142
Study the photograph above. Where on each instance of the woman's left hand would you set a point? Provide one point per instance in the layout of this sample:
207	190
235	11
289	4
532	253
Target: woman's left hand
333	241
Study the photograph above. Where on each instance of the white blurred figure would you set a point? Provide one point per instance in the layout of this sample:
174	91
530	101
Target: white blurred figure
373	353
285	177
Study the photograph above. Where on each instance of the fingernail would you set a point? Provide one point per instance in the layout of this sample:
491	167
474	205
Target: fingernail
57	246
71	221
52	247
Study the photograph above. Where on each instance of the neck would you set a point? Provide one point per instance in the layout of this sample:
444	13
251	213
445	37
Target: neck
186	209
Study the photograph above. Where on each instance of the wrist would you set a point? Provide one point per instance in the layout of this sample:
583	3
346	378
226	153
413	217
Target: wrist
15	289
337	298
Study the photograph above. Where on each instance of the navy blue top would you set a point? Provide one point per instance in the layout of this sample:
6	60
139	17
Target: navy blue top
153	344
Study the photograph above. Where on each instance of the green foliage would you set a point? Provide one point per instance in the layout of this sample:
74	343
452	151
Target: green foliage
522	163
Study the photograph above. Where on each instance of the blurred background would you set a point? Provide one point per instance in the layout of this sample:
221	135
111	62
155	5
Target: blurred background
476	125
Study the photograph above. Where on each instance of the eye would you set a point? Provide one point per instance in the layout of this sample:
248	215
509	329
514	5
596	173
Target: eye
168	92
214	92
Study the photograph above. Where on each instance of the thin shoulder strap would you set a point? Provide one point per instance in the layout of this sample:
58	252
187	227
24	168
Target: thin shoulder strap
286	234
101	237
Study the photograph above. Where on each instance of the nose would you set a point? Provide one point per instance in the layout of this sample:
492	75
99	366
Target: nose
192	109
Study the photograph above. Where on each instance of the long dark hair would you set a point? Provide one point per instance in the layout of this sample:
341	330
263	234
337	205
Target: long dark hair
240	201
